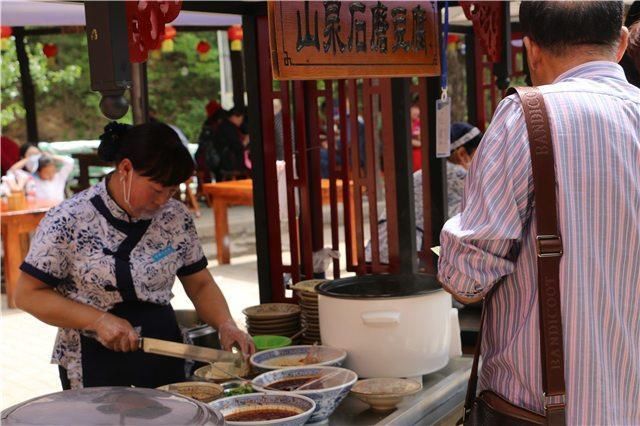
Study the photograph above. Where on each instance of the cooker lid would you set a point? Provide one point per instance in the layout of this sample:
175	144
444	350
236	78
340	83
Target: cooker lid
111	405
380	286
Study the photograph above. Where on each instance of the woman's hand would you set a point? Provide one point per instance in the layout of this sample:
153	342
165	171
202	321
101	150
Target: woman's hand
114	333
230	334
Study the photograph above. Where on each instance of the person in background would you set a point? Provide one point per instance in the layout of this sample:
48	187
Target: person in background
573	49
630	62
10	153
48	181
106	260
206	140
226	156
28	149
465	139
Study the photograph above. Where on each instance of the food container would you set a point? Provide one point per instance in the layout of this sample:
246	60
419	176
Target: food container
298	407
390	325
111	406
331	387
200	391
297	356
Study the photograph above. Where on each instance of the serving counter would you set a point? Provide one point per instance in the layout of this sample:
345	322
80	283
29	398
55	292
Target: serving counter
440	402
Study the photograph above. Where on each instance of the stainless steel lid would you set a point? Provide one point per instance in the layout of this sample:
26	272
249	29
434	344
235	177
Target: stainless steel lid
111	406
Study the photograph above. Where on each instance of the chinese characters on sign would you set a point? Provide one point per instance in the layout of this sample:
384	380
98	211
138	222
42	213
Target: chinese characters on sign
343	39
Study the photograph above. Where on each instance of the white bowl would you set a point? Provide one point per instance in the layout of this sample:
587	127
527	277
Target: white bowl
274	400
327	400
384	394
268	360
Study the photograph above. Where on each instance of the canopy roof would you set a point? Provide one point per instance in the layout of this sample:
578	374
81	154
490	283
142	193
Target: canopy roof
23	13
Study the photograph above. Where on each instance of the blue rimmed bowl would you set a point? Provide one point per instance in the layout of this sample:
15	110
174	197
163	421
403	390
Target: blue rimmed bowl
275	359
303	405
336	387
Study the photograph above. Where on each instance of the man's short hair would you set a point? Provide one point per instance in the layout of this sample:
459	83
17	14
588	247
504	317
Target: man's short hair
561	25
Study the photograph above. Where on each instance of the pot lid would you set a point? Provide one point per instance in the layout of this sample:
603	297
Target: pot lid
111	405
380	286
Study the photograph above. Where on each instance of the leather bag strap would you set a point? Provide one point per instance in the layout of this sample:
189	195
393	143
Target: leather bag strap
549	251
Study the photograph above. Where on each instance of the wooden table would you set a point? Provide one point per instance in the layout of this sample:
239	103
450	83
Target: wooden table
240	193
16	223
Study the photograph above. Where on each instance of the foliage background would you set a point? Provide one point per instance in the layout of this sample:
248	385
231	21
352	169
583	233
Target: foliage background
180	85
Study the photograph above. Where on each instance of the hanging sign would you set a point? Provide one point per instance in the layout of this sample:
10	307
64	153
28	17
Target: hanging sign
346	39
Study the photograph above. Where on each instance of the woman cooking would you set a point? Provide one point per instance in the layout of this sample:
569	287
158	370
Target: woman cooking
102	265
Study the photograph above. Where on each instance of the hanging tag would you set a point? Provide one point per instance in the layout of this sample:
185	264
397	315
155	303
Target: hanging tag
443	125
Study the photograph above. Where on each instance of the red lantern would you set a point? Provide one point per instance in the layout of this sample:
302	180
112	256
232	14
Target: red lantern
203	49
6	32
235	37
50	50
167	39
4	37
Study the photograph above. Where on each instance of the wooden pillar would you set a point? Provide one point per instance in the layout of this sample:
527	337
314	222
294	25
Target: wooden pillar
253	65
139	93
28	91
401	100
237	73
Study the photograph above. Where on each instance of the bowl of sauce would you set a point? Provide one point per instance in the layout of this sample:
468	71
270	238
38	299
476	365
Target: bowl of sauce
272	409
327	386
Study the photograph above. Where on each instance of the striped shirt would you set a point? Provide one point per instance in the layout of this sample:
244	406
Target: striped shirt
595	124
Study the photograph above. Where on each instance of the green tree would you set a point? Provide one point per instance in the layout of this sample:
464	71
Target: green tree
180	85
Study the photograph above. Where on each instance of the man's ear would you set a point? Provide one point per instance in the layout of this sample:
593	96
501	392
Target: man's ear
624	43
533	53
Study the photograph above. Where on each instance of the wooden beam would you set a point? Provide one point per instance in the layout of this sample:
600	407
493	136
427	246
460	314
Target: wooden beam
258	8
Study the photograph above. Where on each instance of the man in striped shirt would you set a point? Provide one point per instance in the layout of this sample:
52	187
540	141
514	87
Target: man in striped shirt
572	49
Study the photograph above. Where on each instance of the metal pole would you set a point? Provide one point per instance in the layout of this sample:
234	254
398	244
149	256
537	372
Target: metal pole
139	93
400	101
28	92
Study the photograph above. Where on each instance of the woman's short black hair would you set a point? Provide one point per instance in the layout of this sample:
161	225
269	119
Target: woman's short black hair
154	149
559	25
25	147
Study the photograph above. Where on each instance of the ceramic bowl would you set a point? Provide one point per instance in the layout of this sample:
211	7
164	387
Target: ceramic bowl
273	400
266	342
200	391
218	374
307	286
271	311
275	359
384	394
326	399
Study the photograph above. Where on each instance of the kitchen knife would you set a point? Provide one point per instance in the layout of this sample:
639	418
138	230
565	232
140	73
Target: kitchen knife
180	350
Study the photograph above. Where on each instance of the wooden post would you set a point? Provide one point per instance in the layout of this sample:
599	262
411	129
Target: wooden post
401	101
139	93
28	92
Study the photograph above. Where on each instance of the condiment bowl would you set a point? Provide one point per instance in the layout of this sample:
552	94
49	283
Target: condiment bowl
301	405
384	394
328	397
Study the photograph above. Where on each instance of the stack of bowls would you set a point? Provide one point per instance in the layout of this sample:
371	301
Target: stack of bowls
306	291
273	319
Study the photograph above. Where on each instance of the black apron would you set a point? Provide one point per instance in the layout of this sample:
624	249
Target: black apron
104	367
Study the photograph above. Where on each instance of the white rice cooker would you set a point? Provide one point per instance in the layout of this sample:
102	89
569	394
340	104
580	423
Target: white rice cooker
390	325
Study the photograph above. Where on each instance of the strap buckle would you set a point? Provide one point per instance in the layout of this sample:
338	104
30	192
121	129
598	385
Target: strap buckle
549	245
